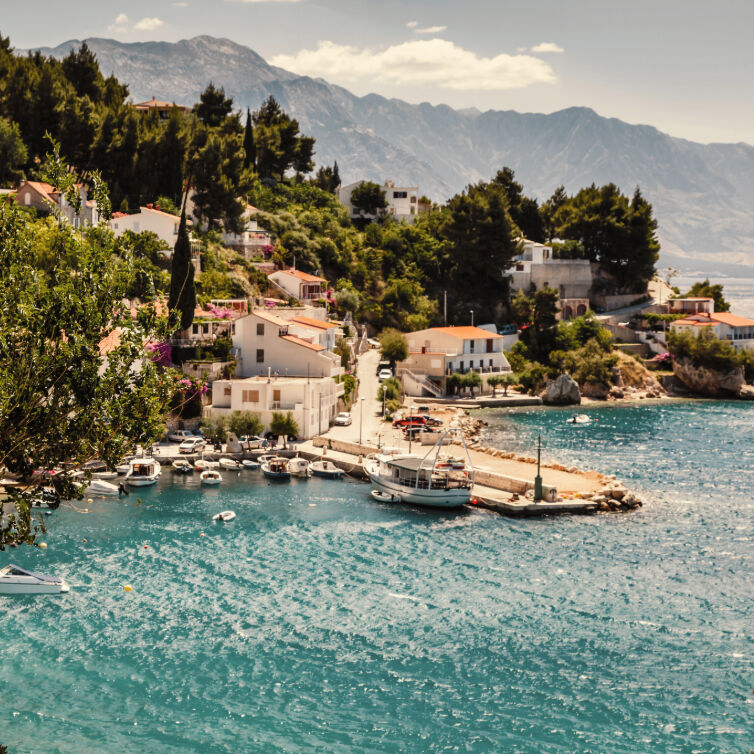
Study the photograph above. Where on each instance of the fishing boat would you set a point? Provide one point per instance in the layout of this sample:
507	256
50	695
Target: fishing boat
325	469
229	463
182	466
143	472
276	468
211	477
299	467
224	516
202	464
16	580
249	464
428	480
101	487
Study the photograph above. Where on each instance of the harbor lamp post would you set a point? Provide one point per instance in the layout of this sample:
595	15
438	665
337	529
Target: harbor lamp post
361	416
538	491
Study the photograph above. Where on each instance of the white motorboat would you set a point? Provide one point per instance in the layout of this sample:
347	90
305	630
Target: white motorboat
579	419
229	463
101	487
182	466
211	477
122	468
224	516
276	468
16	580
253	465
203	464
326	469
429	480
383	497
143	472
299	467
99	470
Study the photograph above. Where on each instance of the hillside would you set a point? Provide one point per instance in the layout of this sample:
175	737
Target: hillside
702	194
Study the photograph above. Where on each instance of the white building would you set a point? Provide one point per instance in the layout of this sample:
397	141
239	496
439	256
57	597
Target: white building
402	201
162	224
265	343
253	240
437	352
726	326
44	198
313	402
535	267
302	286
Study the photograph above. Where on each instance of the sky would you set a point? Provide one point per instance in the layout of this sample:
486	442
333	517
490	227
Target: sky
684	66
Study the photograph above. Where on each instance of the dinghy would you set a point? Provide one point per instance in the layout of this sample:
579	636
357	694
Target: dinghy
229	463
211	477
224	516
384	497
253	465
326	469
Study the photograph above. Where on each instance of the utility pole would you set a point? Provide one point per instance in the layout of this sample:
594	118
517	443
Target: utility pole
538	491
472	317
445	307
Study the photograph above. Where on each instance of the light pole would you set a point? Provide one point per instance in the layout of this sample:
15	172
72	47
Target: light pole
472	317
538	490
361	416
410	430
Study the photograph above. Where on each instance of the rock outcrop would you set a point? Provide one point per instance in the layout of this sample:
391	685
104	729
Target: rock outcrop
561	391
705	381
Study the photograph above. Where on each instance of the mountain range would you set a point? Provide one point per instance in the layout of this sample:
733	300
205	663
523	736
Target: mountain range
703	194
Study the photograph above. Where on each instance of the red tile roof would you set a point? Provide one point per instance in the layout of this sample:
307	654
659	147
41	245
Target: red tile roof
732	319
265	315
305	276
302	342
310	322
467	333
160	212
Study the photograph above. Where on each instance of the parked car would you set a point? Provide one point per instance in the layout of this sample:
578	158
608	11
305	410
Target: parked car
343	419
423	409
191	445
384	374
251	441
431	421
179	435
383	365
415	429
409	420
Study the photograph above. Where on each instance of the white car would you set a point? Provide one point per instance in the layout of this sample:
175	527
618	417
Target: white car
384	374
343	419
251	441
179	435
191	445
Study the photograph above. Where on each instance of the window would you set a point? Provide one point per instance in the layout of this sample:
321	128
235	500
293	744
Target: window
260	328
260	355
413	200
194	329
460	367
27	199
471	346
227	390
250	396
275	399
400	194
489	345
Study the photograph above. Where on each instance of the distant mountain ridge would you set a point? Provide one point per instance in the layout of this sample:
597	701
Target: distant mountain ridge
703	194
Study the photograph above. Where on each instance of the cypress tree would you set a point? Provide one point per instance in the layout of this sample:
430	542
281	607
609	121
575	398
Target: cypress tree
248	143
335	176
182	297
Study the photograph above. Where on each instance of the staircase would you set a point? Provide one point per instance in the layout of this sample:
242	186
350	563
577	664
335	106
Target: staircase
421	382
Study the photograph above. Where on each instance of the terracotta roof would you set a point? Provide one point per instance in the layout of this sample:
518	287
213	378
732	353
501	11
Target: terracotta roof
156	103
42	188
302	342
732	319
305	276
160	212
265	315
310	322
467	333
110	342
695	322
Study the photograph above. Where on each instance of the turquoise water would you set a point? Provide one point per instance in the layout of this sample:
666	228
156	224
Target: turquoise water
320	620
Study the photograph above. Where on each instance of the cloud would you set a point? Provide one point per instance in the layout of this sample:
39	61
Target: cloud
430	30
428	61
119	25
412	24
148	24
547	47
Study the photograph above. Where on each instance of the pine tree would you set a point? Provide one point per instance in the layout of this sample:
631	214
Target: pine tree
182	299
250	149
335	175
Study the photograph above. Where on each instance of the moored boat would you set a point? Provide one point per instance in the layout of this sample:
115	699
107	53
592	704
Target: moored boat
299	467
203	464
429	480
224	516
325	469
143	472
276	468
99	470
249	464
229	463
101	487
579	419
210	477
16	580
182	466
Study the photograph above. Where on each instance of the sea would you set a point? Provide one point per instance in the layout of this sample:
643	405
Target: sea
322	621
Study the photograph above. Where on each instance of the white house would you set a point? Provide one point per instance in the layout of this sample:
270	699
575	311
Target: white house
163	224
691	305
313	401
438	351
726	326
43	197
402	201
253	240
535	267
300	285
264	343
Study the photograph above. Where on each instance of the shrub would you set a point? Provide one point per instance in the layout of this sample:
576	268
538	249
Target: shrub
215	428
706	350
245	423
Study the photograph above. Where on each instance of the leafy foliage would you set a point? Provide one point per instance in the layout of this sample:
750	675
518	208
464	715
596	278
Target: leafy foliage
393	346
369	197
245	423
705	289
706	350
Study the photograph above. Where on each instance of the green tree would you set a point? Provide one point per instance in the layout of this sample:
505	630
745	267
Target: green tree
285	425
13	153
182	298
249	148
393	346
471	380
245	423
213	106
66	395
705	289
81	68
523	210
215	429
536	316
369	197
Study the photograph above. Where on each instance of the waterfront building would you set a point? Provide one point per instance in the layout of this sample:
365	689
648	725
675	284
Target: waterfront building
726	326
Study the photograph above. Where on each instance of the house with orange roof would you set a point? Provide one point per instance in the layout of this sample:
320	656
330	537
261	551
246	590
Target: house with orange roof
725	325
45	199
438	351
151	218
302	286
161	107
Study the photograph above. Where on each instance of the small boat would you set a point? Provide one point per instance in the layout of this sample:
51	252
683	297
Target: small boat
276	468
224	516
182	466
122	468
210	476
229	463
16	580
202	464
579	419
326	469
101	487
99	470
265	458
46	497
143	472
299	467
384	497
249	464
